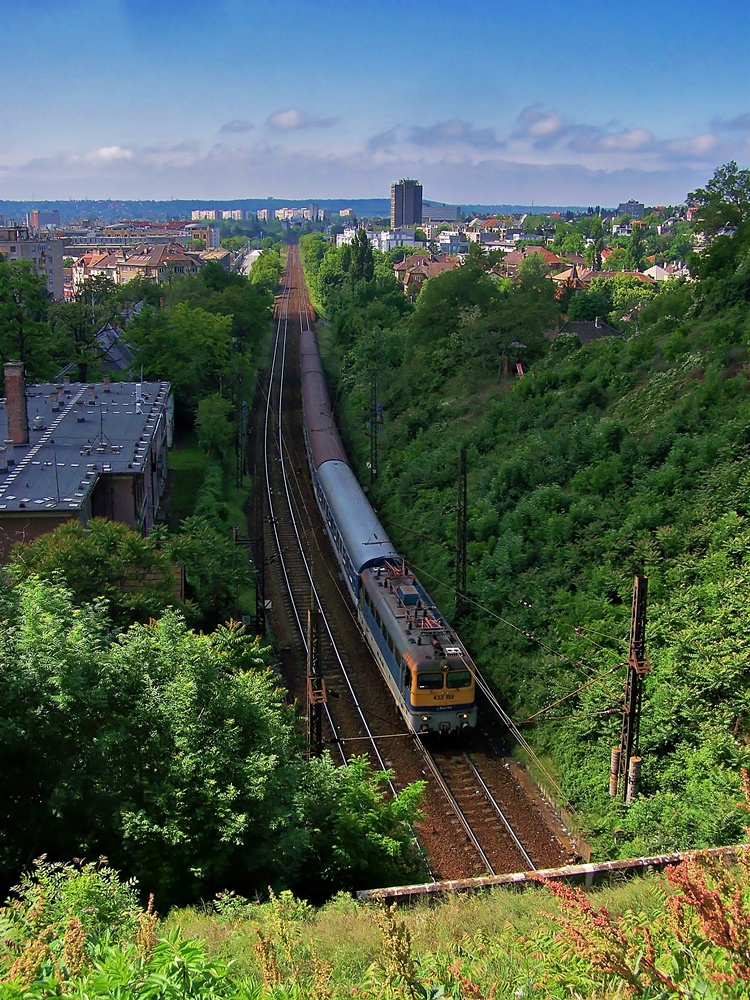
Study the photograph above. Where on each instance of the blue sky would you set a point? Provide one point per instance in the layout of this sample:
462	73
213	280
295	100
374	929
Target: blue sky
483	102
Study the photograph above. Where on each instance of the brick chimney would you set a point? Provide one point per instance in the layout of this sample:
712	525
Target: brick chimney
15	402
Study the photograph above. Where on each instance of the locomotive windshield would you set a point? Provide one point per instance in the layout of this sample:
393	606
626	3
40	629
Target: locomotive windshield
426	682
459	679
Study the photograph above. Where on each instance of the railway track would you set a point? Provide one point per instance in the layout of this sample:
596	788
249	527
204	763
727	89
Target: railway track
468	828
291	512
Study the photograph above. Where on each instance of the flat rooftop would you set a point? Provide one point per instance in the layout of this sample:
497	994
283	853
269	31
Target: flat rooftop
77	432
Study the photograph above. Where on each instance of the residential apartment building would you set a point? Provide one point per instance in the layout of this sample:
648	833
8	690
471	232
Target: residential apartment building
77	450
158	263
44	254
37	220
635	209
406	204
439	213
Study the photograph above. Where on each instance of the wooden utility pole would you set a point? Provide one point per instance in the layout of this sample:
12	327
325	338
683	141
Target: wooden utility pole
316	688
629	763
461	537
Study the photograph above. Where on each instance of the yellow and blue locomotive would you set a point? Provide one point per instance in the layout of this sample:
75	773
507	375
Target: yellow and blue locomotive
424	663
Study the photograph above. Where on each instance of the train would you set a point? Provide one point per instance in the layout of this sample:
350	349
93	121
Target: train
422	659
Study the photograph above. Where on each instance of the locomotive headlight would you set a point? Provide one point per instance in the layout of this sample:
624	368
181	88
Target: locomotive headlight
426	718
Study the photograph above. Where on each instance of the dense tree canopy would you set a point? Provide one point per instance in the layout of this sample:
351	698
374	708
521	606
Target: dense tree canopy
108	561
172	753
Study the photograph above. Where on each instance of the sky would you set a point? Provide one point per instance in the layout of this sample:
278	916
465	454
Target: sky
483	101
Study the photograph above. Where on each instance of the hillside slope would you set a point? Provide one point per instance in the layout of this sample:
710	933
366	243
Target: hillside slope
627	455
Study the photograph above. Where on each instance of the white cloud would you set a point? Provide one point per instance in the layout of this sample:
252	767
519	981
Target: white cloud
538	124
693	146
739	124
541	156
292	120
631	140
108	154
237	125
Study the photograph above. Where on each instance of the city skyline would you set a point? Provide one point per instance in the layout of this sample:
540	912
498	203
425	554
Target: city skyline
549	104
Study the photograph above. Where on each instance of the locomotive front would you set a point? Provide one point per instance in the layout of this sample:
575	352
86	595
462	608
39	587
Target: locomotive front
424	662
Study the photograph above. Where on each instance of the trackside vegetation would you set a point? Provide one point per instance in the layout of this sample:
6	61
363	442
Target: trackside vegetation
152	733
80	930
141	721
630	454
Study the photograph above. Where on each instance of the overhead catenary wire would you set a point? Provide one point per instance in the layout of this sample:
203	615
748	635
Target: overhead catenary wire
577	664
572	694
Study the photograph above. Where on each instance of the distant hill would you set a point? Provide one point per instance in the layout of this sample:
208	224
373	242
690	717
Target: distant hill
115	210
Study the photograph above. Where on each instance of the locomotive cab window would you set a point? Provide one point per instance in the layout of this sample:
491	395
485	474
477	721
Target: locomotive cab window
459	679
429	681
407	678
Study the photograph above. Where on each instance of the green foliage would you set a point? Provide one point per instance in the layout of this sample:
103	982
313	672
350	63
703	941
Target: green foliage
207	332
75	325
190	347
445	300
636	249
215	427
628	454
356	836
106	560
216	570
266	272
78	931
169	751
24	308
362	262
725	200
587	304
52	894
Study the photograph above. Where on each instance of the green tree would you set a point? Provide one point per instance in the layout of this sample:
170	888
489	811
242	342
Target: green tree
267	270
574	244
75	325
725	200
169	751
216	570
190	347
618	260
589	303
24	308
106	560
444	299
362	265
533	303
215	427
356	836
636	249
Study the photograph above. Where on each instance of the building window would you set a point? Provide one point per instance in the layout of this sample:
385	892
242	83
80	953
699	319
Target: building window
138	494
